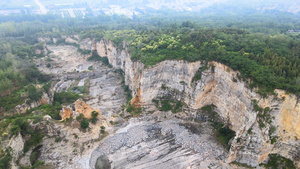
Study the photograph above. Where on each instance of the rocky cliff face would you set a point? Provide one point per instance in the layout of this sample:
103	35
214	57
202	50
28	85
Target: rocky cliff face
219	85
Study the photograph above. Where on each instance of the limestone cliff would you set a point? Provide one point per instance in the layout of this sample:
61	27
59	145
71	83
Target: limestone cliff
219	85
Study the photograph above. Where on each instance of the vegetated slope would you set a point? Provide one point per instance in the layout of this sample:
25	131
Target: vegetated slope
270	61
17	74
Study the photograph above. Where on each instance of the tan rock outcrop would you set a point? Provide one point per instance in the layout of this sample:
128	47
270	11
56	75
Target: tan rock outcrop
66	113
80	108
85	109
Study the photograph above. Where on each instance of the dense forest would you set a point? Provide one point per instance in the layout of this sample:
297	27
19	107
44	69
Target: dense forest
259	47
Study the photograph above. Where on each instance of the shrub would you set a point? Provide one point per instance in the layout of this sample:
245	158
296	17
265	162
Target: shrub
223	134
94	117
57	139
80	117
168	104
47	86
102	129
178	107
127	91
33	157
137	111
65	97
130	109
51	110
5	161
165	105
39	163
198	74
34	140
20	124
96	57
155	101
84	123
33	93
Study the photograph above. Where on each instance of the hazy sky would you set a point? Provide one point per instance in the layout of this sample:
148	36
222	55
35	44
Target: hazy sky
194	5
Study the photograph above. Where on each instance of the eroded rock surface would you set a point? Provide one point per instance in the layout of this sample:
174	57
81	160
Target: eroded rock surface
63	59
146	143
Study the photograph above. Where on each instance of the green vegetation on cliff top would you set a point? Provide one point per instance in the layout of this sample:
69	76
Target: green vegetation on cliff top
257	45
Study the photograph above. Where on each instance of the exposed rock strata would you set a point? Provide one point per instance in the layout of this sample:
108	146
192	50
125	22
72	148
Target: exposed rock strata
150	144
232	99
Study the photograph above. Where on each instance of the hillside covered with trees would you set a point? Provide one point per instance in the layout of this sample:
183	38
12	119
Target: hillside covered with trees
259	47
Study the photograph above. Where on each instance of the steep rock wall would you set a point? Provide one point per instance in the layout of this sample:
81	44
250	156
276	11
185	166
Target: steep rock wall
120	59
233	100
